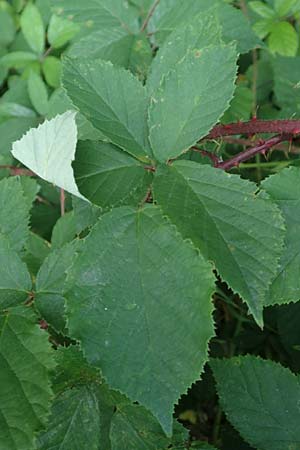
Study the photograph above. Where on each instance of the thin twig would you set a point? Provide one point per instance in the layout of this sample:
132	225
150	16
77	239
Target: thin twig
149	15
212	156
248	142
62	202
250	152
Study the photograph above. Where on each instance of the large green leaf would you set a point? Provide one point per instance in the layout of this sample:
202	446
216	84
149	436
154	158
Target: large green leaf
113	100
261	399
135	271
99	13
133	427
25	394
241	232
109	177
15	281
191	99
14	213
203	31
49	151
284	189
173	13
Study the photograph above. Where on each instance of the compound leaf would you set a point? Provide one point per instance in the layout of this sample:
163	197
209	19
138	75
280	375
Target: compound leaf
133	272
241	232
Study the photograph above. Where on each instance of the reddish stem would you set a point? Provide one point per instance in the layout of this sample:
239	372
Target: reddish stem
210	155
250	152
18	170
255	126
62	202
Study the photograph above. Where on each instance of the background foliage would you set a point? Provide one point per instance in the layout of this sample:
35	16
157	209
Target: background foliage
208	321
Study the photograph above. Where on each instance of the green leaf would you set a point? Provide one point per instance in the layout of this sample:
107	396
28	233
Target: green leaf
283	39
64	230
59	103
49	150
201	32
263	27
33	28
30	190
7	28
36	250
286	80
133	427
17	60
10	110
190	100
25	394
38	93
284	190
85	214
13	129
61	31
81	394
168	16
117	46
240	106
74	422
240	231
113	100
262	9
107	302
52	71
14	213
15	281
97	14
51	282
72	369
284	7
261	399
109	177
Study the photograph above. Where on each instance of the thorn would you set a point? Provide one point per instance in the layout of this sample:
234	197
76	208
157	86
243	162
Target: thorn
265	154
43	324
